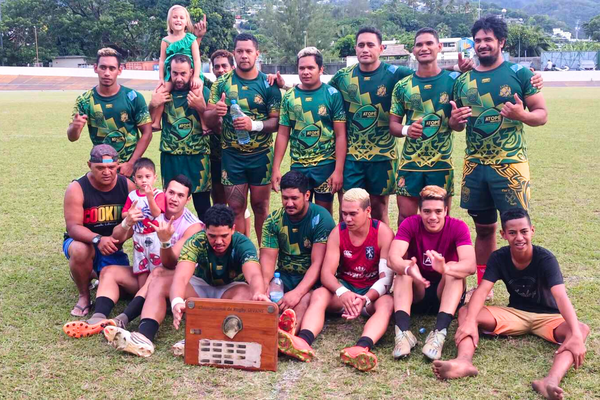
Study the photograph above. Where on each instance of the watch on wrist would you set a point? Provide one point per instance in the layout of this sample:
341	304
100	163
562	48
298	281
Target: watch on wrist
96	239
165	245
368	302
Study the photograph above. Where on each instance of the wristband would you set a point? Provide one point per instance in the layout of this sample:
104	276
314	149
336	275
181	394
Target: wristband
405	130
456	68
257	126
165	245
124	225
367	302
406	269
341	290
175	301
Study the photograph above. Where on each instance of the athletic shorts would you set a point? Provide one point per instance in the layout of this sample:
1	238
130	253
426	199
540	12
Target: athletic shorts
215	171
292	280
498	186
196	167
410	183
376	177
430	303
513	322
207	291
354	289
318	176
146	252
251	169
100	261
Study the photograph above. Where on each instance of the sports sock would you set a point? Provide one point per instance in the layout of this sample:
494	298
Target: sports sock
149	328
134	309
307	335
365	341
201	203
443	321
480	272
402	320
104	306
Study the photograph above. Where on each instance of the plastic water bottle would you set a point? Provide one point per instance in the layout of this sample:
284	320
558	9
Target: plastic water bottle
276	288
243	137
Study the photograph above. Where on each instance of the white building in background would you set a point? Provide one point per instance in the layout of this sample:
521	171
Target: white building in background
561	34
69	62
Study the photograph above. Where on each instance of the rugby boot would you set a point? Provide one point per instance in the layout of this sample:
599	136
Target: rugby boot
294	346
359	357
404	342
434	344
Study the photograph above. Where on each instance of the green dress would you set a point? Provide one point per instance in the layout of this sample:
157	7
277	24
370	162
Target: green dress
183	46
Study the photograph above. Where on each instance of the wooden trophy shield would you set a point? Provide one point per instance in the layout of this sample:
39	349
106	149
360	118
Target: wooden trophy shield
234	334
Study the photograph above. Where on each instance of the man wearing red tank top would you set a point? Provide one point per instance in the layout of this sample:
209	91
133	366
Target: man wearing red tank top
355	280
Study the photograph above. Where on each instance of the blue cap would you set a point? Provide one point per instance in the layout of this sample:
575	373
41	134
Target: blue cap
233	101
277	275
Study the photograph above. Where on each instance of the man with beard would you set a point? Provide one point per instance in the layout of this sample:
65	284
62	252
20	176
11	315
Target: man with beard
114	114
175	226
247	162
494	101
184	148
312	117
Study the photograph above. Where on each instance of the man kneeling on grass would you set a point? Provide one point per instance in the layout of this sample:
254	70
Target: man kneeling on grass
212	264
357	250
438	256
538	304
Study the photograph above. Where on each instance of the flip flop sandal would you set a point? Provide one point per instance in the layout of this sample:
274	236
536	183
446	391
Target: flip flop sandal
79	329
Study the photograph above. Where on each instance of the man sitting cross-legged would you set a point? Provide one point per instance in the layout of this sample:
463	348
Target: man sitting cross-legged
296	237
212	264
175	226
357	250
438	256
538	304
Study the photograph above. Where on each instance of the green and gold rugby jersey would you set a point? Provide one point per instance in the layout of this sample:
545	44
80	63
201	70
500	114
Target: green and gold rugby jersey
257	99
427	98
491	138
367	99
181	127
114	120
219	270
294	239
215	138
310	114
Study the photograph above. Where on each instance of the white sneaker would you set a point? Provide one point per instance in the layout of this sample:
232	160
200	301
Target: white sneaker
434	344
130	342
178	348
405	341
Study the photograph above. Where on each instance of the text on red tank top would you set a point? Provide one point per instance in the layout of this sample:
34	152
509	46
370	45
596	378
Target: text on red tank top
359	265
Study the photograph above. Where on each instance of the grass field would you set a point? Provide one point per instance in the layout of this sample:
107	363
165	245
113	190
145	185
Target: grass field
36	294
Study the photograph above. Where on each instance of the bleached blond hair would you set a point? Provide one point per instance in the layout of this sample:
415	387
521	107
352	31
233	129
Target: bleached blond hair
361	196
109	52
433	192
189	27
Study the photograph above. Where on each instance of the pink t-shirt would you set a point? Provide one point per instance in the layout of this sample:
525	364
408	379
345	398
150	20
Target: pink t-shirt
455	233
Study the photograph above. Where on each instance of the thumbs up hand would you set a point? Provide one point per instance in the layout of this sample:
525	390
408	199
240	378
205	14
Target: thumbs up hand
415	130
221	106
514	111
459	116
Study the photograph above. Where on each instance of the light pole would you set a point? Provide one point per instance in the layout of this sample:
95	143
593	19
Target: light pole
37	54
305	39
479	10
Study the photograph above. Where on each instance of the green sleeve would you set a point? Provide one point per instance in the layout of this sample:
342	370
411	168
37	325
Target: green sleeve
284	116
397	107
81	106
337	107
270	232
142	115
215	92
525	76
206	93
323	228
191	248
273	99
456	91
244	251
334	80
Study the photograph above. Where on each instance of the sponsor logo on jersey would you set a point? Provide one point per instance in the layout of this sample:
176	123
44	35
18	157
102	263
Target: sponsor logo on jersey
488	122
431	125
309	136
308	99
347	254
110	213
370	252
427	87
109	106
427	262
258	99
116	139
322	110
505	91
381	91
367	78
365	117
486	80
183	127
444	98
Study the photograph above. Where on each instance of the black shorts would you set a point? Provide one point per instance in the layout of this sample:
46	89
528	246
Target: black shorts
430	304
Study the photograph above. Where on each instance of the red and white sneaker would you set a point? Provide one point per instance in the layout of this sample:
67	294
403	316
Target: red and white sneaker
287	321
359	357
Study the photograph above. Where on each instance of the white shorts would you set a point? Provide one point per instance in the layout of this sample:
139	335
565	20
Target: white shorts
207	291
146	252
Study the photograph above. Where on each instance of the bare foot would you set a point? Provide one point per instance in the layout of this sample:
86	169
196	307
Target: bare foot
453	369
548	388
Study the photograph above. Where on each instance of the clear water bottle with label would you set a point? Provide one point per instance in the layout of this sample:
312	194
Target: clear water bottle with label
276	288
243	137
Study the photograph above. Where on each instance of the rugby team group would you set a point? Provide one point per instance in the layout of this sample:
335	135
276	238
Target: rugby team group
342	137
